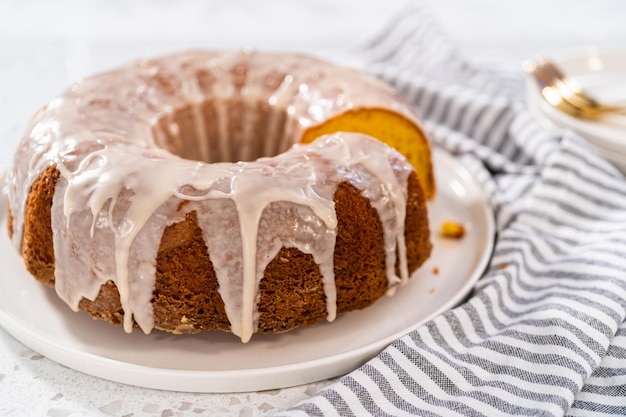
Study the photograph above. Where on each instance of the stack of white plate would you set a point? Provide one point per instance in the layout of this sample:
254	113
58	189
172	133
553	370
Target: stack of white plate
602	73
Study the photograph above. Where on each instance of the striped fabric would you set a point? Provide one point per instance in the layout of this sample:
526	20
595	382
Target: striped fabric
544	332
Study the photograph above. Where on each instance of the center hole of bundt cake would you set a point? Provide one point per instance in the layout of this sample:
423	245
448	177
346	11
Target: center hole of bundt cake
228	131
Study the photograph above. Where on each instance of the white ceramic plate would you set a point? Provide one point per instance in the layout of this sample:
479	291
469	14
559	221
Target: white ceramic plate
219	362
603	74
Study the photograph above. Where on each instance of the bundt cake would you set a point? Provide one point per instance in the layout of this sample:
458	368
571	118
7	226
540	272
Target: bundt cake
194	192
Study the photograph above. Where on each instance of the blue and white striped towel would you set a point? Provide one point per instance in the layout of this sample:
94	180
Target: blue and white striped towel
544	332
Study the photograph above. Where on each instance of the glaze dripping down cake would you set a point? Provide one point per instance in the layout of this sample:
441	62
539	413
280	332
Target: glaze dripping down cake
241	191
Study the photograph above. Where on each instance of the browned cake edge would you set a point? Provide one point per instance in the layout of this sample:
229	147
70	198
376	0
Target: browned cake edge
185	298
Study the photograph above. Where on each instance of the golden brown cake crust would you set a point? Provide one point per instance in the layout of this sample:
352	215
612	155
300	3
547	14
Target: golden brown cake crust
186	297
284	225
37	248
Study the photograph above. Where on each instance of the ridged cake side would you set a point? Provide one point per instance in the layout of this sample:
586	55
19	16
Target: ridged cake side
134	155
186	297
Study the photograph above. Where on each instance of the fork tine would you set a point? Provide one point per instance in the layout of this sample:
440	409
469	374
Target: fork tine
564	92
558	73
568	86
549	91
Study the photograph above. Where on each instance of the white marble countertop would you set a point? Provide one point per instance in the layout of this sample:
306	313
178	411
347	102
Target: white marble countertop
46	45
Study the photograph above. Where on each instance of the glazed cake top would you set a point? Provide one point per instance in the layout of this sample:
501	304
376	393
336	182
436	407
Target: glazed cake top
120	186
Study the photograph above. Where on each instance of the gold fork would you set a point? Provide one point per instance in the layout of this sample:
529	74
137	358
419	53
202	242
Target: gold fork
565	93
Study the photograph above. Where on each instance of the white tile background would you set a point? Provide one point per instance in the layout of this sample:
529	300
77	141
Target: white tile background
44	45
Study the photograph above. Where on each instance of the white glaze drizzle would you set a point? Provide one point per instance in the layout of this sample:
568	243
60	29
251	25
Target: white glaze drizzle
118	192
